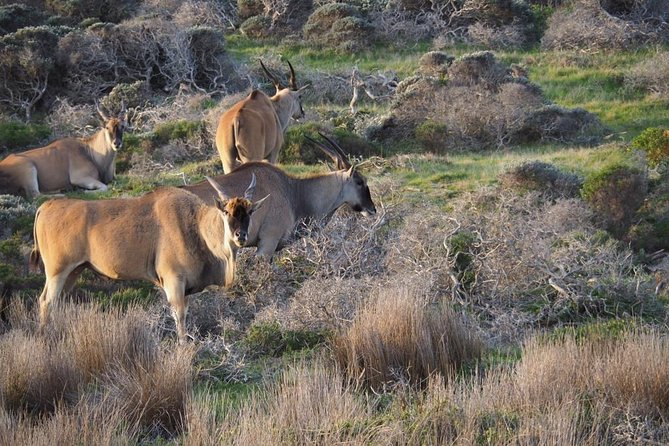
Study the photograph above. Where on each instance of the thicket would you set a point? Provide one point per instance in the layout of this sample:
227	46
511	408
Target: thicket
478	104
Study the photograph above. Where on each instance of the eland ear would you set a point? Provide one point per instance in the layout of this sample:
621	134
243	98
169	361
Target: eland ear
258	204
221	204
217	187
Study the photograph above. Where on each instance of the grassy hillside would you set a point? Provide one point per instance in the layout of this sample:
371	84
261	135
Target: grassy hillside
511	289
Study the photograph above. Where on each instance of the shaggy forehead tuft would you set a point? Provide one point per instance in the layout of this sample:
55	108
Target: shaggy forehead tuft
235	204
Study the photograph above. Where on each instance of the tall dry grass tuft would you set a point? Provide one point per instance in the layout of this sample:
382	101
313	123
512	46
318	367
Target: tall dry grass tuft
33	377
401	337
309	405
634	376
87	423
154	392
97	341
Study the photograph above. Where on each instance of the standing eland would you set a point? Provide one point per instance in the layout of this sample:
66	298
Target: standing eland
253	129
293	199
168	237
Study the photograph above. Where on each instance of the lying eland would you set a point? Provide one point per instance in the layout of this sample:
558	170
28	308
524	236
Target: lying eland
88	163
252	130
169	237
293	199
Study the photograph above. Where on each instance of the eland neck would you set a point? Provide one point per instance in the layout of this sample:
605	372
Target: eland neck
283	105
213	233
100	149
319	196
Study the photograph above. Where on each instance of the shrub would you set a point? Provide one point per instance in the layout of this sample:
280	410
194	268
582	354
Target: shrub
433	135
131	95
16	215
171	131
16	136
585	24
402	338
558	124
16	16
269	338
257	27
651	76
249	8
105	10
27	62
615	194
654	142
435	63
477	68
211	67
481	106
542	177
296	148
338	25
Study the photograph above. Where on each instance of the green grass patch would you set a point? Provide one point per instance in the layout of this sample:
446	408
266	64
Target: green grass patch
611	329
270	338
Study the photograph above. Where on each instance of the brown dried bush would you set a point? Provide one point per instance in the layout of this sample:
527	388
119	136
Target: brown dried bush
501	37
217	14
522	248
586	24
435	63
542	177
651	76
401	337
339	25
482	106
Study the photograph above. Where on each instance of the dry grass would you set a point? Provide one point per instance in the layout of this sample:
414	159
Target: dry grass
562	392
100	376
309	405
401	337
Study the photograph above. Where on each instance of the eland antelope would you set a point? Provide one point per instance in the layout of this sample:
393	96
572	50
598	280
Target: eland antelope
169	237
252	130
293	199
88	163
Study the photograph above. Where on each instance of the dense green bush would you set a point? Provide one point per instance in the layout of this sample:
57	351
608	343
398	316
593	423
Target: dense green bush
105	10
654	142
16	16
15	136
26	63
173	130
432	135
615	194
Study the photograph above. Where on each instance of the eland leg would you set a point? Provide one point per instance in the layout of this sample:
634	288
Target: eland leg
52	289
176	297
